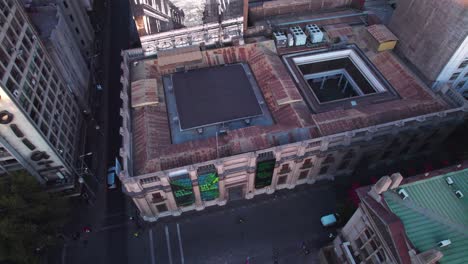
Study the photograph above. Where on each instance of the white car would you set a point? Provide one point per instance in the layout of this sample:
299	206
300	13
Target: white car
329	220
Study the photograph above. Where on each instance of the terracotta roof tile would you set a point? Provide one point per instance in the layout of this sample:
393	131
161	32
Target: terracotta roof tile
144	92
337	30
179	55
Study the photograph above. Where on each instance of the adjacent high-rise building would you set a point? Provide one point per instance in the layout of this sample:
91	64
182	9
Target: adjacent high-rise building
434	38
65	30
40	117
417	220
202	127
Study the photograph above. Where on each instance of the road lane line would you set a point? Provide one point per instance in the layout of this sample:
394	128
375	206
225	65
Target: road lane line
168	242
64	252
180	244
153	261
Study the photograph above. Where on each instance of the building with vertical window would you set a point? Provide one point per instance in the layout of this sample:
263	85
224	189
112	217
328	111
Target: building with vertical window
434	39
165	24
68	36
422	220
202	127
40	118
75	16
154	16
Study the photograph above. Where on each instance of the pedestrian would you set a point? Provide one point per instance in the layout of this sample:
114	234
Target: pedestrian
87	229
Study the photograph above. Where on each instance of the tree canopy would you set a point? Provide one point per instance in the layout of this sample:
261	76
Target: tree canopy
30	218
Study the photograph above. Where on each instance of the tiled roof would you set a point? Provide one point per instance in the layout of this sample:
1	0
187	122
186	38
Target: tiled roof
179	55
144	92
337	30
293	119
433	213
381	33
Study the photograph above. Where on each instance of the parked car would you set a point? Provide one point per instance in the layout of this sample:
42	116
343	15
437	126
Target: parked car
111	178
329	220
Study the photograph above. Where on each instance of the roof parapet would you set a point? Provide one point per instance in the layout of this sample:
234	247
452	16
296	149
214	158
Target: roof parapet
379	187
430	256
396	180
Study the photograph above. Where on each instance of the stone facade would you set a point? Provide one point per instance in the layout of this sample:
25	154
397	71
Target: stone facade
434	38
303	146
299	163
40	117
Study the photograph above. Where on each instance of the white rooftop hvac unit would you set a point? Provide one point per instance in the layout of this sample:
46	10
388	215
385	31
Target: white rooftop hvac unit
280	39
314	33
299	36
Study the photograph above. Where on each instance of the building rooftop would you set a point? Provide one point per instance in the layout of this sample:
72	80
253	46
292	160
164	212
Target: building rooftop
433	213
292	119
45	19
213	95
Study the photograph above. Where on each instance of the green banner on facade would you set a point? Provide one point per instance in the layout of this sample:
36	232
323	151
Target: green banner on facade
209	187
264	173
182	189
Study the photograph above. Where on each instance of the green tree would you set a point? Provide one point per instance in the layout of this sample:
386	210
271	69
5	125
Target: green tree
30	218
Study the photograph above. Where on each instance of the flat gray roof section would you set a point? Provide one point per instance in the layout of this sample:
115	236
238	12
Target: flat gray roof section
214	95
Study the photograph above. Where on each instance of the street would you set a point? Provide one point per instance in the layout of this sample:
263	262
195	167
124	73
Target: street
279	223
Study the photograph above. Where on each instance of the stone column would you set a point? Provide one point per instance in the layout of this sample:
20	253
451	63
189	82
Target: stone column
147	210
221	184
250	190
274	180
171	203
294	174
292	181
199	205
324	144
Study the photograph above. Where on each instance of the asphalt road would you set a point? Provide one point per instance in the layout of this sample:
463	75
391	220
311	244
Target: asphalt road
272	223
279	223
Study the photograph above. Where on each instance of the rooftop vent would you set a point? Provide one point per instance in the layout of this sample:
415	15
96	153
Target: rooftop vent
403	194
459	194
222	132
444	243
314	33
299	36
449	180
280	39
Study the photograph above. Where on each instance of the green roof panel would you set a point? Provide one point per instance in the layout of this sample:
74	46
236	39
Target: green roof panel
433	213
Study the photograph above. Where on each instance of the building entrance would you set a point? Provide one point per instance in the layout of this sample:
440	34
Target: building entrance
235	193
